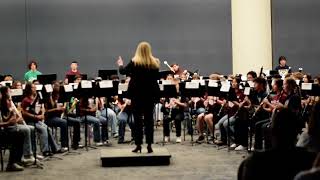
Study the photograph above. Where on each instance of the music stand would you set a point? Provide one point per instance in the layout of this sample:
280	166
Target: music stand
46	78
65	94
107	74
192	89
167	91
86	89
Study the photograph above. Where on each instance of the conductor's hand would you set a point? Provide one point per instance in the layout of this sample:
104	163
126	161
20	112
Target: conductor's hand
120	61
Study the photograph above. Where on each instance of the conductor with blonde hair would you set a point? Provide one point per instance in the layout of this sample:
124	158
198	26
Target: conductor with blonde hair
143	91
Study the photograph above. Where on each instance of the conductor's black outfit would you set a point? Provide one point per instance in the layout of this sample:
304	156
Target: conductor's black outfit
143	91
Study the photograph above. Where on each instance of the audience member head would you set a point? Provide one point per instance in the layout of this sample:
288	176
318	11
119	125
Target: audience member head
314	122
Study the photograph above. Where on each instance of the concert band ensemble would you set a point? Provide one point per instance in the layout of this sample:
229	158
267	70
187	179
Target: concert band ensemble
243	112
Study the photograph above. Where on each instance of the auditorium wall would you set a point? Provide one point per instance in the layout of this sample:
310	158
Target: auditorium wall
193	33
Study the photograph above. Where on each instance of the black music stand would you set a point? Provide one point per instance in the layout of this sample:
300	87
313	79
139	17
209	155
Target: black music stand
107	74
168	91
86	92
107	89
188	93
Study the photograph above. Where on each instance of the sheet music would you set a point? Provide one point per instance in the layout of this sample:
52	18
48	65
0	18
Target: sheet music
192	85
48	88
306	86
106	84
247	91
68	88
213	83
39	87
86	84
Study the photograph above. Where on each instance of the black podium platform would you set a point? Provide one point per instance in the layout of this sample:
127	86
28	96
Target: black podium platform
124	157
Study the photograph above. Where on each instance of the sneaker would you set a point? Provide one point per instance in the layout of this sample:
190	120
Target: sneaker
106	142
218	142
115	135
99	144
39	157
28	160
240	148
14	167
64	149
200	139
233	146
166	139
178	140
252	149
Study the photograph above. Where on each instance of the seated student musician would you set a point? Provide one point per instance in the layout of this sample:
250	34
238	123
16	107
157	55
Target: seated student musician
223	126
9	110
54	118
269	105
250	103
173	110
212	106
10	135
33	114
73	71
88	112
284	160
124	117
32	74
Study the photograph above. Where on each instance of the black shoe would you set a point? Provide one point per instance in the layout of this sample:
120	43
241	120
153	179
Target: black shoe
47	154
149	148
137	149
121	142
14	167
200	139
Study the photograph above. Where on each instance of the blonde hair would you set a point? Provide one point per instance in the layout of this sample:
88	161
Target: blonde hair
144	57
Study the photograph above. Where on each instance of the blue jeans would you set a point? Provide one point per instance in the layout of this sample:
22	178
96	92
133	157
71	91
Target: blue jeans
27	131
46	137
123	119
62	124
112	119
97	134
222	126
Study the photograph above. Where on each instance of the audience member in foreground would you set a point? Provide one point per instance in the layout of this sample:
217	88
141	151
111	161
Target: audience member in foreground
284	160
